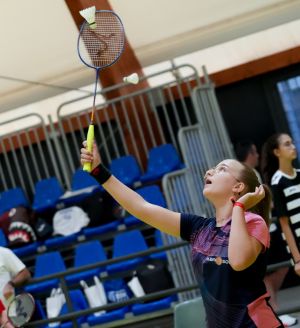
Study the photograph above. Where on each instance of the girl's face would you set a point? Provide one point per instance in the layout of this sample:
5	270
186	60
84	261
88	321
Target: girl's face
286	148
222	181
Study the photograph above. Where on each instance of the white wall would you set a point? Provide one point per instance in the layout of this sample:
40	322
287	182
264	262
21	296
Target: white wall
216	58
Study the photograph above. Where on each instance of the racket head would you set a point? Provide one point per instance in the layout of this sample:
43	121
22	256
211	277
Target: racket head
21	309
101	47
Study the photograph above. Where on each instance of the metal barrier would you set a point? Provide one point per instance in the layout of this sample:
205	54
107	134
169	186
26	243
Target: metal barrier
203	145
179	197
129	124
27	155
133	123
211	120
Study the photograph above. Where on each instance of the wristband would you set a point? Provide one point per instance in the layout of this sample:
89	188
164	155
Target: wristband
101	173
240	205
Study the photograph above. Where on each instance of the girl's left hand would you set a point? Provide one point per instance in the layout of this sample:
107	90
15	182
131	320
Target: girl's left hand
252	198
8	291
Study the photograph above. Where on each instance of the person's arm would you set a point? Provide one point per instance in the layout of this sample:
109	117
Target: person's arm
290	240
156	216
20	279
243	248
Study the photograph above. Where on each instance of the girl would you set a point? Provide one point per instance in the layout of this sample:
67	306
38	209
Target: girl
278	154
228	251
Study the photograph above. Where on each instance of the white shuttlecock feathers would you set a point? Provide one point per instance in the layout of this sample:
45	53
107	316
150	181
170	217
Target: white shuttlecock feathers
133	78
89	15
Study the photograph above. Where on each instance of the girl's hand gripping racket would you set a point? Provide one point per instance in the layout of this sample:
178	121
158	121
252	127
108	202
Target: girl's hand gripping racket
100	44
20	310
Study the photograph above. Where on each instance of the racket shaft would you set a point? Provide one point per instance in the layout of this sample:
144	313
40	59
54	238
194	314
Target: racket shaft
90	140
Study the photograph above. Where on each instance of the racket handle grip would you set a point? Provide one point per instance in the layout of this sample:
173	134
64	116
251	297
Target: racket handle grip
90	140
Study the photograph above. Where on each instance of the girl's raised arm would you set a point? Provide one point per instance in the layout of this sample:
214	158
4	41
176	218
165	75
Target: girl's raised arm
156	216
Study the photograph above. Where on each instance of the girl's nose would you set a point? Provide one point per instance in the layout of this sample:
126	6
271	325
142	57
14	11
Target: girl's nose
209	173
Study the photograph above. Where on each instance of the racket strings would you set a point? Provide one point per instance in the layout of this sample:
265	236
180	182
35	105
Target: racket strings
21	309
103	45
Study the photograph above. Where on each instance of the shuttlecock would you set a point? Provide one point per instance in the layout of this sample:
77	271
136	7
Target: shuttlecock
133	78
89	15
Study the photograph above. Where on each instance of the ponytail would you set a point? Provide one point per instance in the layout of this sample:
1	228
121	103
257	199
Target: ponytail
263	208
269	162
249	178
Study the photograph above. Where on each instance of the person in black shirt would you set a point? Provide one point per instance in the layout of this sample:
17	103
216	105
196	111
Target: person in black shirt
278	154
246	152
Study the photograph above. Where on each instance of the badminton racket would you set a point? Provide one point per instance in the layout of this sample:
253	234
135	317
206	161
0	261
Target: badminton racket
100	44
20	310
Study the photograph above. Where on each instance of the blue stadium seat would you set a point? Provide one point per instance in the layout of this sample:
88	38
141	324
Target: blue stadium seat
87	253
126	169
151	194
58	241
3	239
164	303
96	231
79	303
126	243
46	264
82	186
161	160
109	316
47	194
12	198
27	249
82	179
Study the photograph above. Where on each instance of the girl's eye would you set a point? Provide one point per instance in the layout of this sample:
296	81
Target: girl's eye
221	169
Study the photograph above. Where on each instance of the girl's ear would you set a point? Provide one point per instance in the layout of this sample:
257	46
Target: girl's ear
238	188
276	152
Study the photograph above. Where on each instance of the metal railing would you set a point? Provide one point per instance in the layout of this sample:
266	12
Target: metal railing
27	155
129	124
132	123
180	195
73	315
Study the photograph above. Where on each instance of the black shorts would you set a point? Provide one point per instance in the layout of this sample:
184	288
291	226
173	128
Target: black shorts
277	252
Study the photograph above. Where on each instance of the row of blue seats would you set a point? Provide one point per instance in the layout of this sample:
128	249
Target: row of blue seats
49	192
80	303
90	252
151	193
